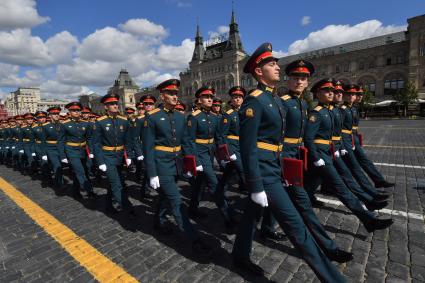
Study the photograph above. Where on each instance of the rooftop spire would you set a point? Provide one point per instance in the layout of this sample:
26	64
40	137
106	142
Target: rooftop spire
234	42
198	52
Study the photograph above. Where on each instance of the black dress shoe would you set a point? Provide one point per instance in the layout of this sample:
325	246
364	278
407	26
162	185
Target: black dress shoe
197	214
276	236
340	256
377	224
381	197
249	266
77	195
376	205
384	184
201	248
163	229
91	195
317	203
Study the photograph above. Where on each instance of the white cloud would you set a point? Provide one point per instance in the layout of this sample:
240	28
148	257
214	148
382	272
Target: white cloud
21	48
305	20
339	34
144	27
181	3
61	47
174	57
19	14
10	76
110	45
221	30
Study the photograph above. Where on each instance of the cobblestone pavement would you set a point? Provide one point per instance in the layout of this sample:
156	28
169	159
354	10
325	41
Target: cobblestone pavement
28	254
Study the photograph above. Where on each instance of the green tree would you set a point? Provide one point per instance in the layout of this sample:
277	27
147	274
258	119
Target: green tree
406	96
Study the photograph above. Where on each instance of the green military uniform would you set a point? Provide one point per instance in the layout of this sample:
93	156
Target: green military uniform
318	140
52	132
72	142
203	129
112	136
364	161
164	140
262	129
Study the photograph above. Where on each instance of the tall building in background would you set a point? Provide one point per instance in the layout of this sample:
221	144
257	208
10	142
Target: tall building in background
3	111
126	89
23	100
218	63
382	64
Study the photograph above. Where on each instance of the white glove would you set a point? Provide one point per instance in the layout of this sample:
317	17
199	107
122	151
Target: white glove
44	157
343	152
128	161
189	174
91	156
154	182
64	160
233	157
13	147
199	168
354	147
102	167
260	198
33	154
21	151
337	154
7	147
141	157
319	162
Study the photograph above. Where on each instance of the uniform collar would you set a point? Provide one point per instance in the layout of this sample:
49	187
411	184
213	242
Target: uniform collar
294	94
265	87
168	110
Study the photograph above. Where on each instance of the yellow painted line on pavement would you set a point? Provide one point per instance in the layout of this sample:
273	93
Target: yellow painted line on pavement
394	146
101	267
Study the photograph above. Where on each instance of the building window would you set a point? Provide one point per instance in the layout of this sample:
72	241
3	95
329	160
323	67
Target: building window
391	86
388	61
346	67
337	70
361	65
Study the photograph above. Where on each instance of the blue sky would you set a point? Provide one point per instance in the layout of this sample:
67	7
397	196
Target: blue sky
71	47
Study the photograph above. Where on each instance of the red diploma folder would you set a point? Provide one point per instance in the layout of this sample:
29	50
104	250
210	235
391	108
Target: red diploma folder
360	136
223	152
293	171
303	156
189	164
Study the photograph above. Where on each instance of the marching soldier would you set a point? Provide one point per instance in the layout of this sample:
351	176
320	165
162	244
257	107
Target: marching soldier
298	73
229	132
16	145
28	144
366	164
164	134
137	149
349	96
318	140
38	143
112	136
216	107
371	198
51	153
74	137
203	132
262	128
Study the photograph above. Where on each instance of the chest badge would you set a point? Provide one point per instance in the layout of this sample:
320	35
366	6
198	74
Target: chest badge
249	112
83	128
121	127
107	128
312	118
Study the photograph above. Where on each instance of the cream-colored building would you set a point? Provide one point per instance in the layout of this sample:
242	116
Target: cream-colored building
23	100
382	64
